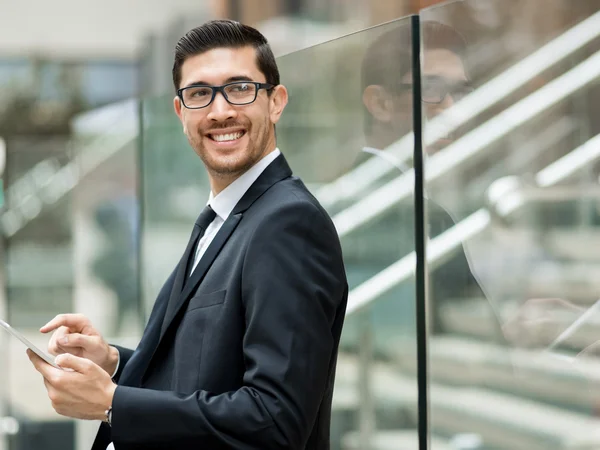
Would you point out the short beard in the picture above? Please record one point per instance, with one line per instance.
(229, 172)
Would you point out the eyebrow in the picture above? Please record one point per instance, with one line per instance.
(228, 80)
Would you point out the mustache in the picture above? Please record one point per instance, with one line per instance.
(225, 125)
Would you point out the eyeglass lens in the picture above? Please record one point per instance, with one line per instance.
(235, 93)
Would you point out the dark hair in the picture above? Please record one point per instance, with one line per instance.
(229, 34)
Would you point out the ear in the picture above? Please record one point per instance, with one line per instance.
(178, 107)
(277, 102)
(378, 103)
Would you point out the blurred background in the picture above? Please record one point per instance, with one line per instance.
(97, 179)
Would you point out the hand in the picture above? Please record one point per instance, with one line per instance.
(75, 335)
(86, 392)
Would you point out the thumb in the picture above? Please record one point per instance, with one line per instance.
(75, 363)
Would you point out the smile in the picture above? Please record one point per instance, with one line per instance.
(228, 137)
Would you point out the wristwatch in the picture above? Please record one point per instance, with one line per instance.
(108, 413)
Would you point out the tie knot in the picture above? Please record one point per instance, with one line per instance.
(206, 217)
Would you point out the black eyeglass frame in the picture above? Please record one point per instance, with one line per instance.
(221, 89)
(468, 89)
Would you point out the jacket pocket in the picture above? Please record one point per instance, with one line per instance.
(205, 300)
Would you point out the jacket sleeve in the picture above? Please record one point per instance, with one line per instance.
(293, 289)
(124, 357)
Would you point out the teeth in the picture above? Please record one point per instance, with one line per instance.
(227, 137)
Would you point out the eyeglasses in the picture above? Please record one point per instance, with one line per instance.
(435, 89)
(236, 93)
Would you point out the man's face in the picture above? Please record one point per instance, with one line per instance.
(229, 138)
(444, 76)
(444, 82)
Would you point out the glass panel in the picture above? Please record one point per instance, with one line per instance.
(38, 278)
(105, 224)
(342, 133)
(60, 192)
(4, 355)
(106, 220)
(510, 95)
(173, 178)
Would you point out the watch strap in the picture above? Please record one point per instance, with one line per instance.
(108, 414)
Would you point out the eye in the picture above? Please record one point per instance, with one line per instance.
(199, 92)
(242, 87)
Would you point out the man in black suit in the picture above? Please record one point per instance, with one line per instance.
(386, 77)
(240, 348)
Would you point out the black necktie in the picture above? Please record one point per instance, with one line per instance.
(204, 220)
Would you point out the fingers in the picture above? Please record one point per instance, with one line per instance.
(76, 340)
(40, 365)
(68, 361)
(54, 347)
(74, 322)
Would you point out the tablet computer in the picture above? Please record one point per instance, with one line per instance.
(45, 356)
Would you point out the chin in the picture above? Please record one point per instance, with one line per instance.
(228, 164)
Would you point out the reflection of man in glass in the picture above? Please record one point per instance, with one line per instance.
(387, 97)
(387, 80)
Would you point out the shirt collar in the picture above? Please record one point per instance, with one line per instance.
(226, 200)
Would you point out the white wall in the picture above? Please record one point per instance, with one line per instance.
(84, 28)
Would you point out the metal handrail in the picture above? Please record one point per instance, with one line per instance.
(445, 244)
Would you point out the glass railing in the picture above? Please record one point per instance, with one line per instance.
(70, 245)
(38, 280)
(106, 229)
(517, 186)
(347, 132)
(509, 101)
(338, 119)
(330, 127)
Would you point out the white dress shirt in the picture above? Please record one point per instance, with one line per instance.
(223, 205)
(226, 200)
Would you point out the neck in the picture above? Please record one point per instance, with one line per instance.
(378, 141)
(220, 181)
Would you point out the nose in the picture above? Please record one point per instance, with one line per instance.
(221, 110)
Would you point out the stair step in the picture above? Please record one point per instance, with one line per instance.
(393, 440)
(501, 420)
(543, 376)
(475, 319)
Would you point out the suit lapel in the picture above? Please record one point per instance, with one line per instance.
(180, 276)
(178, 297)
(275, 172)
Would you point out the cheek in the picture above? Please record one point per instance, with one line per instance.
(192, 123)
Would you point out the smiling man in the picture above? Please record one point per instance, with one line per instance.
(240, 348)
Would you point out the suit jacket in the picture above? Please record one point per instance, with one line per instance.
(247, 358)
